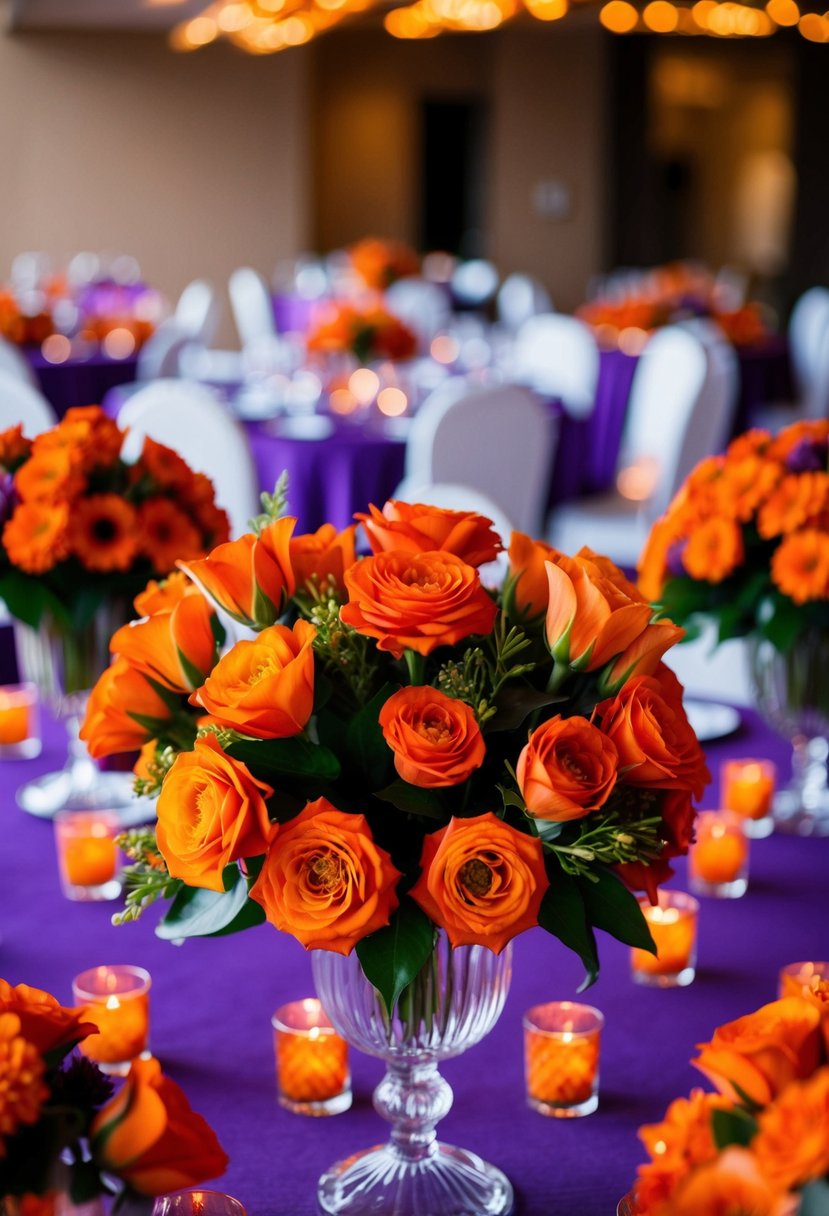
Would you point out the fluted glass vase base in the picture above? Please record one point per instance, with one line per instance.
(47, 795)
(447, 1180)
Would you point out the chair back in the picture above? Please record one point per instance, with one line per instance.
(520, 297)
(198, 312)
(21, 402)
(160, 356)
(807, 326)
(15, 364)
(421, 305)
(816, 403)
(712, 419)
(558, 357)
(498, 441)
(251, 305)
(189, 418)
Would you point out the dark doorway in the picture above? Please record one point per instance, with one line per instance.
(452, 176)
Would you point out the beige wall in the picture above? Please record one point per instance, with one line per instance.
(195, 164)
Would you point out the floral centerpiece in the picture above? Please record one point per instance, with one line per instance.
(379, 263)
(403, 769)
(365, 331)
(745, 544)
(83, 530)
(64, 1134)
(20, 326)
(760, 1143)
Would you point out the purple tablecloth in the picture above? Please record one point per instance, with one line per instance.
(212, 1001)
(79, 381)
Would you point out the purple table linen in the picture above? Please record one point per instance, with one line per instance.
(79, 381)
(212, 1001)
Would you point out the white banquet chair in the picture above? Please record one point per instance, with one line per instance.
(14, 364)
(251, 305)
(198, 312)
(189, 418)
(497, 441)
(421, 305)
(808, 325)
(520, 297)
(22, 402)
(557, 355)
(162, 355)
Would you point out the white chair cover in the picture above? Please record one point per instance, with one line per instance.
(558, 357)
(808, 324)
(161, 355)
(474, 283)
(520, 297)
(198, 312)
(21, 402)
(250, 303)
(14, 364)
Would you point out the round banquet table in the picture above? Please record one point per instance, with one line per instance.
(212, 1002)
(80, 380)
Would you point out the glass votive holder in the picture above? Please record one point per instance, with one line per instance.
(747, 787)
(19, 722)
(117, 1000)
(561, 1058)
(718, 858)
(673, 926)
(87, 854)
(797, 979)
(198, 1203)
(312, 1074)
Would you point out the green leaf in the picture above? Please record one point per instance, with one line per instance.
(84, 1182)
(814, 1199)
(251, 914)
(414, 800)
(563, 914)
(197, 912)
(27, 599)
(367, 750)
(512, 798)
(612, 907)
(516, 702)
(784, 623)
(392, 957)
(271, 759)
(733, 1126)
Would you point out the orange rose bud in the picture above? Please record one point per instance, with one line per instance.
(436, 740)
(792, 1144)
(590, 619)
(684, 1139)
(44, 1023)
(176, 649)
(149, 1136)
(211, 812)
(250, 578)
(265, 687)
(124, 711)
(642, 657)
(323, 556)
(482, 881)
(529, 586)
(410, 601)
(163, 595)
(760, 1054)
(325, 881)
(418, 528)
(567, 769)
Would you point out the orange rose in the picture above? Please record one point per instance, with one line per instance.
(416, 601)
(211, 811)
(761, 1053)
(436, 740)
(250, 578)
(323, 556)
(792, 1144)
(123, 712)
(325, 881)
(43, 1022)
(529, 587)
(643, 657)
(730, 1184)
(683, 1140)
(653, 737)
(265, 687)
(176, 649)
(567, 769)
(482, 881)
(149, 1136)
(418, 528)
(590, 618)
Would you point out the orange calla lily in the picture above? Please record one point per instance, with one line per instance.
(177, 649)
(250, 578)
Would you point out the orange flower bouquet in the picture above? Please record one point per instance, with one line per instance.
(63, 1131)
(366, 331)
(379, 263)
(760, 1144)
(404, 769)
(745, 544)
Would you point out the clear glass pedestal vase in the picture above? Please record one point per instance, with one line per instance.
(792, 695)
(64, 664)
(451, 1005)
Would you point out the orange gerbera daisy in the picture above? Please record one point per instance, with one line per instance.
(167, 534)
(798, 498)
(750, 443)
(36, 536)
(812, 431)
(714, 549)
(14, 447)
(164, 466)
(104, 532)
(745, 484)
(104, 437)
(49, 476)
(23, 1091)
(800, 566)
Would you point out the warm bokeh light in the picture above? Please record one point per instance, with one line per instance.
(56, 348)
(783, 12)
(632, 340)
(660, 16)
(363, 385)
(814, 27)
(341, 401)
(619, 17)
(234, 17)
(637, 481)
(119, 343)
(392, 402)
(444, 349)
(547, 10)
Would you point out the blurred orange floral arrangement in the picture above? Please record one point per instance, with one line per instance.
(81, 525)
(63, 1132)
(760, 1144)
(393, 748)
(380, 263)
(746, 539)
(20, 327)
(367, 332)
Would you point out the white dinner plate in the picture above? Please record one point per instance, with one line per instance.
(711, 720)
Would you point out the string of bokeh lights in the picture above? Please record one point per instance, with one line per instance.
(262, 27)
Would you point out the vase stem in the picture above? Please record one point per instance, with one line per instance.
(413, 1098)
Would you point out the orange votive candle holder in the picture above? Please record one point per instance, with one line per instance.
(311, 1060)
(718, 858)
(804, 979)
(198, 1203)
(747, 787)
(19, 729)
(87, 854)
(561, 1058)
(117, 999)
(673, 925)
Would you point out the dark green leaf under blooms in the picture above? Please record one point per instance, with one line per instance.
(612, 907)
(392, 957)
(414, 800)
(733, 1127)
(814, 1199)
(368, 751)
(563, 914)
(198, 912)
(271, 759)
